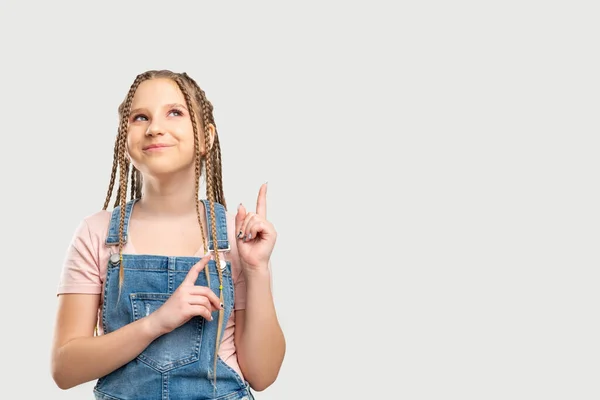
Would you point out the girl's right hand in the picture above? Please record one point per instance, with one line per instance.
(188, 300)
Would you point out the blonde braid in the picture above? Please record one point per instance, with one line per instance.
(217, 174)
(133, 170)
(138, 187)
(197, 166)
(210, 191)
(212, 162)
(215, 152)
(113, 173)
(124, 168)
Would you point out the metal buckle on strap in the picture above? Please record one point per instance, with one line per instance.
(222, 259)
(115, 258)
(225, 250)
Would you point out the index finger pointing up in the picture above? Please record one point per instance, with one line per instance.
(192, 275)
(261, 202)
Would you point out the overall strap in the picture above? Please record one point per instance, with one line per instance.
(113, 230)
(221, 224)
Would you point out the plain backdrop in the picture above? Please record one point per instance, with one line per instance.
(432, 168)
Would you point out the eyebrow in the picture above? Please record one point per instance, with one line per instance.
(172, 105)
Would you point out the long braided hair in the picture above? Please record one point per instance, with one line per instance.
(195, 99)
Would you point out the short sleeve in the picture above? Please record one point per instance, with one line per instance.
(81, 272)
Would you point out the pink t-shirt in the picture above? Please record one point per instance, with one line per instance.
(84, 271)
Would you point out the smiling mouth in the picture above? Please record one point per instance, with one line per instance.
(156, 147)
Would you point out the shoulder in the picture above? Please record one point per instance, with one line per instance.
(99, 217)
(97, 223)
(92, 231)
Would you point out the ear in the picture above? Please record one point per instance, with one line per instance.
(211, 132)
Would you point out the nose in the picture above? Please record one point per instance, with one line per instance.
(154, 129)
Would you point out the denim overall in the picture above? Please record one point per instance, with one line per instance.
(179, 364)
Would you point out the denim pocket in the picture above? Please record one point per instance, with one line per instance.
(171, 350)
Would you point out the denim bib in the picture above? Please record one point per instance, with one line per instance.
(179, 364)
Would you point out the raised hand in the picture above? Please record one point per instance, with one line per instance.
(188, 300)
(256, 236)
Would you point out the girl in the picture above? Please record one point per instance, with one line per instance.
(168, 296)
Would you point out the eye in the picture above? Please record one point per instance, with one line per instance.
(177, 112)
(136, 117)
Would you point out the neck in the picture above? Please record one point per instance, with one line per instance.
(169, 197)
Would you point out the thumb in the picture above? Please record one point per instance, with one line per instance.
(239, 219)
(192, 275)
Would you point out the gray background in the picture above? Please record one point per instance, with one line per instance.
(432, 168)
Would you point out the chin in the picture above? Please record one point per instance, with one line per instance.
(166, 169)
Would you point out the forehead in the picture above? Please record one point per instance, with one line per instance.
(157, 92)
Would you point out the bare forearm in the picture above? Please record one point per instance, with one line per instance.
(262, 344)
(84, 359)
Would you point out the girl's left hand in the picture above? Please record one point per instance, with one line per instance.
(255, 235)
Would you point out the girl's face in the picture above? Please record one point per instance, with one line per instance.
(160, 139)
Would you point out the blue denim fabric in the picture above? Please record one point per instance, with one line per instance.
(179, 364)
